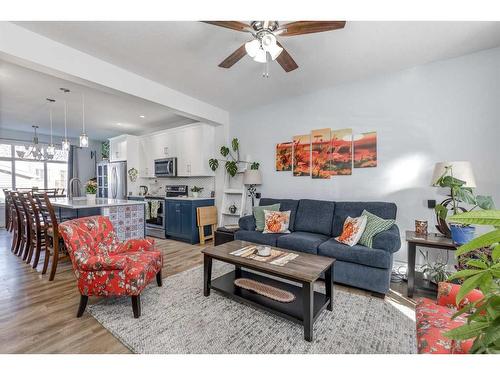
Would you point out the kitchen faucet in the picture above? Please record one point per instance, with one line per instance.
(70, 187)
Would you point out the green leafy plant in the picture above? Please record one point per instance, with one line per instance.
(232, 159)
(197, 189)
(436, 271)
(91, 187)
(105, 150)
(483, 316)
(460, 195)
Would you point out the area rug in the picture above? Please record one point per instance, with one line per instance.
(177, 318)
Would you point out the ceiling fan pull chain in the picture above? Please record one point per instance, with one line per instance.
(266, 68)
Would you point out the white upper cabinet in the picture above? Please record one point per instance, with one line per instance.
(192, 145)
(118, 148)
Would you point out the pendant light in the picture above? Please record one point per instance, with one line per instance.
(51, 150)
(65, 142)
(84, 139)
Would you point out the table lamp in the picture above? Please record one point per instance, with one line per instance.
(252, 178)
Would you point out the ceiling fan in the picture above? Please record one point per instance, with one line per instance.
(264, 40)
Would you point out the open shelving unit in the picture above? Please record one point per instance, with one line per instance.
(234, 192)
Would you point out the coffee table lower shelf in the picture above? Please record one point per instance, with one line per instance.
(293, 311)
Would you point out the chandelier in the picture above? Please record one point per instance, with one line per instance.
(34, 150)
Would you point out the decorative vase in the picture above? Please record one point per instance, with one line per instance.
(233, 209)
(461, 235)
(91, 197)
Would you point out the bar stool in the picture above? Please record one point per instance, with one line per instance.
(54, 244)
(23, 234)
(36, 226)
(8, 208)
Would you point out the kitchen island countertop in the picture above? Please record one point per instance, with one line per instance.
(83, 202)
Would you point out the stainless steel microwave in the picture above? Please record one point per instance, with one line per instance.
(166, 167)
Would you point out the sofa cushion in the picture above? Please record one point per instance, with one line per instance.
(259, 215)
(285, 205)
(257, 237)
(385, 210)
(356, 254)
(315, 216)
(302, 241)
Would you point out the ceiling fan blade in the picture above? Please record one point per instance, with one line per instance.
(234, 57)
(309, 27)
(233, 25)
(285, 60)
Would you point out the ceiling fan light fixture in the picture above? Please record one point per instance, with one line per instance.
(275, 51)
(252, 47)
(260, 56)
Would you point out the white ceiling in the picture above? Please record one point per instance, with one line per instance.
(185, 55)
(23, 94)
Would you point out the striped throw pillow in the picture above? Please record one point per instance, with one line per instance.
(374, 225)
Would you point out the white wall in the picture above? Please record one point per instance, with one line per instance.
(447, 110)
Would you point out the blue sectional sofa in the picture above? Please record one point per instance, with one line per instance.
(313, 226)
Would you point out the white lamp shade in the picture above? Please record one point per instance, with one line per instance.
(252, 47)
(260, 56)
(275, 51)
(461, 170)
(252, 177)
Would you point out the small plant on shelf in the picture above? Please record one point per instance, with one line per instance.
(196, 190)
(91, 189)
(232, 159)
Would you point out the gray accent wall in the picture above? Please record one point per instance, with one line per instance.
(446, 110)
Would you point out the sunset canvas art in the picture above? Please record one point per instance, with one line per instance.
(341, 152)
(284, 156)
(321, 146)
(302, 155)
(365, 150)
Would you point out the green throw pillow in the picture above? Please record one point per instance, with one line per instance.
(258, 214)
(374, 225)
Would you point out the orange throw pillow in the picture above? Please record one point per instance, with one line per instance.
(276, 221)
(352, 231)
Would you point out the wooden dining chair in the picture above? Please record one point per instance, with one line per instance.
(23, 229)
(16, 224)
(206, 216)
(37, 227)
(8, 208)
(54, 244)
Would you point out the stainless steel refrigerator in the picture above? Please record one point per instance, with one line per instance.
(112, 180)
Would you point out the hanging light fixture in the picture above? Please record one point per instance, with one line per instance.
(65, 142)
(51, 150)
(33, 151)
(269, 44)
(84, 139)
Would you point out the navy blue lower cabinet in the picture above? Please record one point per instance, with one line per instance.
(180, 221)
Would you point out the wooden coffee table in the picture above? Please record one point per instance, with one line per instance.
(304, 270)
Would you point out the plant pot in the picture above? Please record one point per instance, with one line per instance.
(461, 235)
(91, 197)
(196, 194)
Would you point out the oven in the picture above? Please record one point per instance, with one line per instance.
(155, 216)
(166, 167)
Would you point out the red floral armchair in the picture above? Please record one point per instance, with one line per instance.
(104, 266)
(434, 318)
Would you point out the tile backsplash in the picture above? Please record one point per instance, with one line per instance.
(157, 185)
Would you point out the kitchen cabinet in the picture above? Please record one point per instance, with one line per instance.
(118, 148)
(192, 145)
(180, 221)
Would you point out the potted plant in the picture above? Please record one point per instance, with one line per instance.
(91, 189)
(435, 272)
(459, 194)
(196, 190)
(483, 316)
(232, 162)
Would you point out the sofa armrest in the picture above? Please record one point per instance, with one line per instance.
(102, 263)
(247, 222)
(388, 240)
(136, 244)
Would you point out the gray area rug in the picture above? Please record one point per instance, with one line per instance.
(177, 318)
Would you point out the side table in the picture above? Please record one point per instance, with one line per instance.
(223, 235)
(431, 240)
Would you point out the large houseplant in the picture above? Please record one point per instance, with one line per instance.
(232, 159)
(459, 195)
(483, 316)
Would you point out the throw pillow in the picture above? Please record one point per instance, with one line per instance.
(258, 214)
(276, 221)
(353, 230)
(374, 225)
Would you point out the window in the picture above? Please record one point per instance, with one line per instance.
(20, 173)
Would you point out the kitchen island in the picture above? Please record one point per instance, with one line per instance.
(127, 216)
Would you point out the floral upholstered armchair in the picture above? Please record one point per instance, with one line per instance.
(434, 318)
(104, 266)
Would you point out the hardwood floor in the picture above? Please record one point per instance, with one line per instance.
(38, 316)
